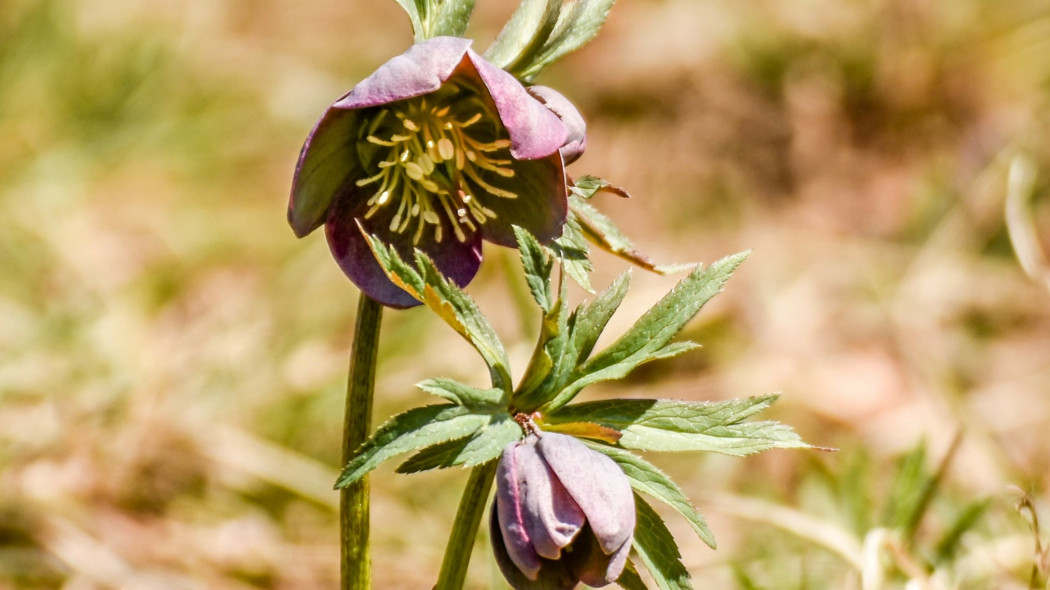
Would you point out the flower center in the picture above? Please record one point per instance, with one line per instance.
(431, 157)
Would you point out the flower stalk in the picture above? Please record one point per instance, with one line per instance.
(356, 560)
(465, 529)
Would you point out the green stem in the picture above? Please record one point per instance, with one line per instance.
(356, 568)
(465, 530)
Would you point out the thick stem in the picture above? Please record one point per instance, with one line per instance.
(356, 568)
(465, 529)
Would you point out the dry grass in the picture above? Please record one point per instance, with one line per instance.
(171, 358)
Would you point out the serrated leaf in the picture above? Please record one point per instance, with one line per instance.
(647, 478)
(537, 265)
(576, 26)
(592, 319)
(450, 303)
(524, 34)
(629, 579)
(410, 431)
(671, 425)
(657, 549)
(572, 253)
(587, 186)
(646, 339)
(414, 16)
(450, 18)
(588, 430)
(462, 394)
(483, 446)
(602, 231)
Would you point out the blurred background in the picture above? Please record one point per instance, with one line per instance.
(172, 359)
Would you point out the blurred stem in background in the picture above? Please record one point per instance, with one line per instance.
(356, 568)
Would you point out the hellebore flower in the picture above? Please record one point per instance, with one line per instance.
(434, 151)
(563, 514)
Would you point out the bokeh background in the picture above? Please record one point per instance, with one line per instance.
(172, 358)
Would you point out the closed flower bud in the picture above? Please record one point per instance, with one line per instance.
(563, 514)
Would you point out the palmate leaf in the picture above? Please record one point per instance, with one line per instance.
(646, 478)
(592, 319)
(524, 34)
(537, 265)
(463, 394)
(657, 549)
(648, 339)
(449, 18)
(451, 304)
(572, 253)
(577, 24)
(483, 446)
(629, 579)
(410, 431)
(671, 425)
(601, 231)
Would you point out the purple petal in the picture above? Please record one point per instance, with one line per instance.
(541, 205)
(326, 163)
(553, 575)
(576, 140)
(510, 509)
(535, 132)
(597, 484)
(458, 261)
(552, 518)
(420, 70)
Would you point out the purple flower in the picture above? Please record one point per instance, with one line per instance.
(436, 150)
(563, 514)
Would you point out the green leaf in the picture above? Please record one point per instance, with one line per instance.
(629, 579)
(537, 267)
(647, 478)
(657, 549)
(483, 446)
(587, 186)
(602, 231)
(592, 319)
(463, 395)
(412, 9)
(524, 34)
(647, 339)
(671, 425)
(571, 251)
(450, 18)
(426, 284)
(575, 28)
(412, 430)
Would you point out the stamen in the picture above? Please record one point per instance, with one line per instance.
(446, 149)
(377, 141)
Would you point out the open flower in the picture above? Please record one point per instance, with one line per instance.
(563, 514)
(434, 151)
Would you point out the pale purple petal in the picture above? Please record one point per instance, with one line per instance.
(576, 140)
(510, 509)
(597, 484)
(552, 517)
(420, 70)
(535, 132)
(553, 575)
(458, 261)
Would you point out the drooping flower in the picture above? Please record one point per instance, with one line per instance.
(563, 514)
(435, 151)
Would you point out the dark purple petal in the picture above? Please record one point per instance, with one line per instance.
(552, 575)
(535, 132)
(592, 566)
(597, 484)
(540, 207)
(458, 261)
(420, 70)
(576, 127)
(326, 163)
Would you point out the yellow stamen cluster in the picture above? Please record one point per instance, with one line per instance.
(433, 165)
